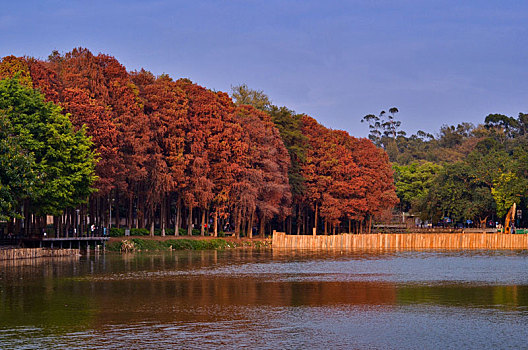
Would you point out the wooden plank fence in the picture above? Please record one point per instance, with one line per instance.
(401, 241)
(32, 253)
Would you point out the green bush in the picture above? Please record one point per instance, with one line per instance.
(175, 244)
(113, 246)
(183, 244)
(116, 232)
(139, 232)
(146, 244)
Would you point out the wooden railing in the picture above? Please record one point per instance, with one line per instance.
(402, 241)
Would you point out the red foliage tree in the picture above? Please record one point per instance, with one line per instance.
(346, 178)
(375, 167)
(265, 178)
(165, 106)
(164, 143)
(207, 150)
(96, 117)
(109, 90)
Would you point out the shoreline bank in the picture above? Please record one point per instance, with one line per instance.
(35, 253)
(160, 243)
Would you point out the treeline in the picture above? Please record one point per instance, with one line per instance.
(465, 172)
(86, 141)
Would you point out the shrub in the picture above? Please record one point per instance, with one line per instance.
(139, 232)
(145, 244)
(116, 232)
(113, 246)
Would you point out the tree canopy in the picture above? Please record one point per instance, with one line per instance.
(87, 141)
(58, 161)
(465, 172)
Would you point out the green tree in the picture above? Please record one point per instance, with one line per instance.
(384, 128)
(455, 193)
(243, 95)
(289, 125)
(505, 126)
(64, 161)
(16, 171)
(508, 188)
(413, 182)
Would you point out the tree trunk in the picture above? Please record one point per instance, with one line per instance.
(325, 227)
(316, 217)
(370, 224)
(141, 212)
(130, 207)
(89, 211)
(83, 219)
(163, 215)
(242, 225)
(152, 226)
(189, 221)
(55, 225)
(178, 218)
(299, 222)
(262, 226)
(216, 223)
(117, 217)
(167, 211)
(109, 212)
(137, 212)
(67, 223)
(202, 224)
(237, 223)
(250, 225)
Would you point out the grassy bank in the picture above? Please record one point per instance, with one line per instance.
(146, 244)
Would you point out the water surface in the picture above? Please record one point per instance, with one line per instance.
(267, 299)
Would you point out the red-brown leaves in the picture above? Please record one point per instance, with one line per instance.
(348, 177)
(97, 119)
(165, 106)
(158, 139)
(266, 174)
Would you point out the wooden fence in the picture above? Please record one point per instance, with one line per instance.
(402, 241)
(32, 253)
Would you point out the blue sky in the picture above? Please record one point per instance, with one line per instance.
(439, 62)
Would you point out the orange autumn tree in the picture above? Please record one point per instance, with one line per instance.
(165, 106)
(83, 111)
(346, 178)
(211, 143)
(99, 89)
(266, 173)
(12, 65)
(374, 166)
(169, 149)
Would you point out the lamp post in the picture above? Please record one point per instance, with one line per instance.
(78, 219)
(110, 221)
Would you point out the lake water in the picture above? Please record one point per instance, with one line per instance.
(263, 299)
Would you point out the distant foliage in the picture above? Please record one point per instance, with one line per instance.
(464, 173)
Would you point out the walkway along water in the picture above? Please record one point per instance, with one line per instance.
(402, 241)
